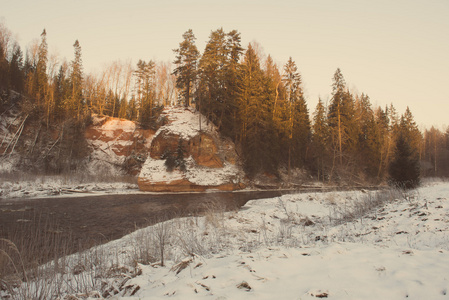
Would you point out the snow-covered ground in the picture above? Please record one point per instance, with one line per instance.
(336, 245)
(301, 247)
(45, 186)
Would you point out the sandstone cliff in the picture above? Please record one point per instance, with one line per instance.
(187, 154)
(117, 146)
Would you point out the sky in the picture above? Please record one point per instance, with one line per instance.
(393, 51)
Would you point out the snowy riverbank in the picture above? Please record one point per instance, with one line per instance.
(336, 245)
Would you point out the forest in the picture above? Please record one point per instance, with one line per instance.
(254, 102)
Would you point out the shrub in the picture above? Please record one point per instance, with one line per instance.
(404, 169)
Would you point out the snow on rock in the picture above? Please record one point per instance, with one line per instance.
(117, 146)
(155, 170)
(209, 161)
(184, 122)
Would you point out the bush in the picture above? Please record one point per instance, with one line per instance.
(172, 161)
(404, 170)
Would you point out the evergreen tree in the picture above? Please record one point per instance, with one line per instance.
(16, 75)
(341, 120)
(146, 92)
(131, 112)
(41, 80)
(186, 61)
(320, 140)
(62, 92)
(270, 90)
(5, 35)
(217, 87)
(211, 93)
(229, 113)
(410, 131)
(76, 80)
(298, 122)
(368, 144)
(279, 106)
(384, 134)
(404, 169)
(256, 130)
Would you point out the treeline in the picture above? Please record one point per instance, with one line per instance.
(259, 105)
(263, 109)
(57, 90)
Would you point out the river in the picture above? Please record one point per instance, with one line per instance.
(82, 222)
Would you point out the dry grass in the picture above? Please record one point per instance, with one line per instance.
(66, 178)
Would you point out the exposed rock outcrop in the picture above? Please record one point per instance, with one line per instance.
(118, 146)
(202, 147)
(187, 154)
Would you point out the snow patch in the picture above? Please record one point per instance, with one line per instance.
(185, 122)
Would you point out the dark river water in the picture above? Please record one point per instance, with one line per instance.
(82, 222)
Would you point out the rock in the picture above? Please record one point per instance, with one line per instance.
(206, 161)
(165, 142)
(205, 151)
(244, 286)
(118, 143)
(201, 147)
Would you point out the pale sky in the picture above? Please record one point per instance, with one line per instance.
(394, 51)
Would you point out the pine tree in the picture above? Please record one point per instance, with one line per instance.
(186, 70)
(368, 144)
(229, 113)
(320, 139)
(255, 126)
(41, 80)
(410, 131)
(393, 131)
(217, 76)
(5, 35)
(298, 122)
(279, 106)
(211, 93)
(146, 92)
(16, 75)
(271, 139)
(341, 120)
(384, 134)
(62, 92)
(404, 169)
(76, 79)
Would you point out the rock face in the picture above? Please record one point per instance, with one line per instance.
(183, 158)
(202, 147)
(204, 151)
(117, 146)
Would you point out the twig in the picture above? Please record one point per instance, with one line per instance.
(7, 130)
(23, 125)
(46, 154)
(35, 139)
(14, 137)
(7, 110)
(73, 191)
